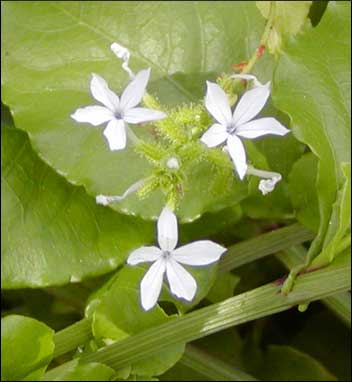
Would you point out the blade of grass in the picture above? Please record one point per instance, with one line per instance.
(245, 307)
(264, 245)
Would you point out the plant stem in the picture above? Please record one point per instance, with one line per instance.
(245, 307)
(72, 336)
(263, 245)
(340, 303)
(263, 40)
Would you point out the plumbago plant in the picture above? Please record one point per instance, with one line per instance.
(154, 154)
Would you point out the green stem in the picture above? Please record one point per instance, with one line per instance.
(340, 303)
(72, 337)
(245, 307)
(263, 41)
(263, 245)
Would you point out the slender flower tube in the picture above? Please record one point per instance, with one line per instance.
(167, 259)
(270, 178)
(106, 199)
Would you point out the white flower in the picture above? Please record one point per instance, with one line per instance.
(231, 126)
(117, 111)
(168, 259)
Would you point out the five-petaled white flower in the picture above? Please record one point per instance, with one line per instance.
(231, 126)
(117, 111)
(167, 259)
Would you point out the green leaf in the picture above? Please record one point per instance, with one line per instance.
(117, 313)
(51, 49)
(303, 192)
(27, 346)
(53, 233)
(284, 363)
(289, 17)
(75, 371)
(312, 85)
(223, 287)
(340, 221)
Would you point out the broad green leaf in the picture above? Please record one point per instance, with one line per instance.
(51, 49)
(76, 371)
(303, 192)
(289, 17)
(27, 348)
(53, 233)
(117, 313)
(312, 85)
(284, 363)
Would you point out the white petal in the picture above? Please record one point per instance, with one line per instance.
(182, 284)
(151, 284)
(200, 252)
(115, 133)
(134, 91)
(101, 92)
(250, 104)
(238, 155)
(167, 230)
(94, 115)
(144, 254)
(142, 114)
(215, 135)
(261, 126)
(217, 103)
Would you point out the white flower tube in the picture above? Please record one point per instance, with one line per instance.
(269, 181)
(124, 54)
(106, 200)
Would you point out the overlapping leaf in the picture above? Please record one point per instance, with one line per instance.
(51, 49)
(52, 232)
(312, 85)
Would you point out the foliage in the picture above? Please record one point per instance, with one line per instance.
(64, 256)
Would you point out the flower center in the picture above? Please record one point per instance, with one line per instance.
(231, 128)
(166, 255)
(117, 115)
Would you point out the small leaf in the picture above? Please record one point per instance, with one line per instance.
(223, 287)
(117, 313)
(27, 346)
(75, 371)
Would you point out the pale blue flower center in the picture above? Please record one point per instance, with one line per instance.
(166, 255)
(118, 115)
(231, 127)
